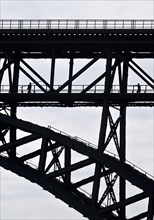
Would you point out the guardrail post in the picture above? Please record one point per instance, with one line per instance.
(20, 24)
(132, 24)
(104, 24)
(76, 24)
(10, 24)
(48, 25)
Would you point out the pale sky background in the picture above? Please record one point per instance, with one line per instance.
(22, 200)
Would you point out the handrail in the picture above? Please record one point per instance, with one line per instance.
(78, 89)
(76, 24)
(106, 151)
(88, 144)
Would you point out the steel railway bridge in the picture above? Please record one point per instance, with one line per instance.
(119, 44)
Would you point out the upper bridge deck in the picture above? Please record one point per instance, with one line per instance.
(125, 39)
(83, 38)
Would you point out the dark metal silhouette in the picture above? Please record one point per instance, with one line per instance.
(138, 88)
(29, 88)
(119, 43)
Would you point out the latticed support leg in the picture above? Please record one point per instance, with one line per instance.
(103, 128)
(70, 75)
(14, 89)
(52, 76)
(123, 80)
(122, 151)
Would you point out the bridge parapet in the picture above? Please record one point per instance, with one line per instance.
(78, 89)
(77, 24)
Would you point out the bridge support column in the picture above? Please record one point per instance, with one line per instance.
(122, 150)
(122, 184)
(52, 70)
(13, 109)
(103, 127)
(70, 75)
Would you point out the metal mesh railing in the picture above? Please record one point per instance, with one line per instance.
(88, 144)
(76, 24)
(78, 89)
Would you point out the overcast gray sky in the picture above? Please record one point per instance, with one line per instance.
(76, 9)
(22, 200)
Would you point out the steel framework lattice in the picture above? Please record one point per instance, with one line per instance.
(118, 44)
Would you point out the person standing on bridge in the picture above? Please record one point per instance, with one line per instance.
(138, 88)
(29, 88)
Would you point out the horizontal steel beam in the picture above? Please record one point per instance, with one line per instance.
(76, 99)
(80, 42)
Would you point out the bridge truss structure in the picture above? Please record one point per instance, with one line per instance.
(101, 193)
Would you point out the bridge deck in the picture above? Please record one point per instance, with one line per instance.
(85, 38)
(95, 96)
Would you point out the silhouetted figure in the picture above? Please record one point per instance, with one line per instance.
(21, 89)
(29, 88)
(138, 88)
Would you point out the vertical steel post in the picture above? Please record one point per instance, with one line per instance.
(43, 155)
(52, 70)
(70, 75)
(122, 182)
(103, 129)
(67, 164)
(14, 89)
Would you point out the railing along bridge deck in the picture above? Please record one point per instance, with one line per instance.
(77, 24)
(78, 89)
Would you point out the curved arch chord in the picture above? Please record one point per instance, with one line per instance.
(65, 190)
